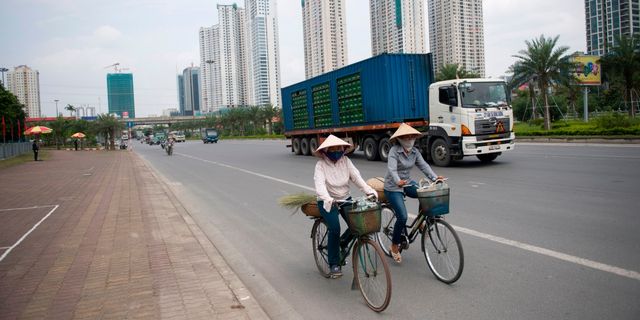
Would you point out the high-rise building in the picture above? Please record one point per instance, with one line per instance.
(263, 52)
(120, 94)
(324, 28)
(24, 83)
(397, 26)
(180, 84)
(233, 61)
(191, 88)
(211, 82)
(456, 34)
(606, 19)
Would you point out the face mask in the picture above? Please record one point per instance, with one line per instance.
(407, 143)
(334, 155)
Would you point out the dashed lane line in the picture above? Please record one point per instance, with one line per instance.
(520, 245)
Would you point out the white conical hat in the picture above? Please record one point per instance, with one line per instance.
(332, 141)
(404, 130)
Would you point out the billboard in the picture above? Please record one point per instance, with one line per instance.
(588, 71)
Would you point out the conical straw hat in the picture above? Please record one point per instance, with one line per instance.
(332, 141)
(404, 130)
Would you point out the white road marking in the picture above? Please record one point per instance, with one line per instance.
(28, 232)
(2, 248)
(520, 245)
(28, 208)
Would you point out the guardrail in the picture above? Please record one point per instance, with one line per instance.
(10, 150)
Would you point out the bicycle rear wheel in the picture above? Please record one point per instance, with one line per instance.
(384, 237)
(319, 240)
(372, 275)
(443, 250)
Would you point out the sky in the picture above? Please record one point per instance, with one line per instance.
(70, 42)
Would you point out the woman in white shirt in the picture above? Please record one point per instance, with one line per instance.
(331, 177)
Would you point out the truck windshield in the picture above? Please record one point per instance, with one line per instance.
(483, 94)
(212, 133)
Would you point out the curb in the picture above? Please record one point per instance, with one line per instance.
(579, 140)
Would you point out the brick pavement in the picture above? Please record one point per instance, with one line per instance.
(120, 245)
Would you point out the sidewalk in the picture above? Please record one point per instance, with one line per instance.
(103, 238)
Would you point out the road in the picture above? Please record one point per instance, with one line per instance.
(550, 231)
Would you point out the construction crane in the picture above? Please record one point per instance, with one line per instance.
(115, 67)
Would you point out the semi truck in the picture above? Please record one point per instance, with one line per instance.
(366, 101)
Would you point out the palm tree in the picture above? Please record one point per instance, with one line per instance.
(268, 112)
(71, 109)
(624, 60)
(546, 63)
(108, 126)
(454, 71)
(519, 79)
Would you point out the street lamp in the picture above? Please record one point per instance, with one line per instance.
(56, 100)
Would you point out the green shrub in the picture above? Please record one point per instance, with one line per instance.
(613, 120)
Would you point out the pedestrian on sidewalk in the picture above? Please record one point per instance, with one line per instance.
(35, 148)
(75, 143)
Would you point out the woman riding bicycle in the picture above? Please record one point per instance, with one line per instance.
(397, 184)
(331, 177)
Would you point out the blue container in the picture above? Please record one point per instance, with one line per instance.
(387, 88)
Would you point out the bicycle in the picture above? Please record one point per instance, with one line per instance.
(371, 272)
(441, 245)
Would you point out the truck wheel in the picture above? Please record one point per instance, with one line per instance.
(487, 157)
(440, 153)
(370, 147)
(313, 144)
(383, 149)
(304, 146)
(296, 146)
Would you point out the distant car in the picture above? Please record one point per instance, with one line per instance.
(178, 136)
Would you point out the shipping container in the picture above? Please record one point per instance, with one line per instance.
(389, 88)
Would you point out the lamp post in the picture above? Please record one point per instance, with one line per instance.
(56, 100)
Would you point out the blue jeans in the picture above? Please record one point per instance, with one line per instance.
(334, 240)
(396, 199)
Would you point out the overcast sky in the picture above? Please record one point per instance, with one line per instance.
(71, 41)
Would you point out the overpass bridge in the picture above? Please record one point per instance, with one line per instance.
(158, 120)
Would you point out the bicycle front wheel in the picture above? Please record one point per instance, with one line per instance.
(384, 237)
(372, 275)
(319, 241)
(443, 250)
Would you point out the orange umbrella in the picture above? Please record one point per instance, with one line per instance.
(78, 135)
(37, 130)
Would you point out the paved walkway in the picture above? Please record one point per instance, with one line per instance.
(92, 235)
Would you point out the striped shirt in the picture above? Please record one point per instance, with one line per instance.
(332, 180)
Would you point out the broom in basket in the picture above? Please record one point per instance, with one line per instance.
(306, 202)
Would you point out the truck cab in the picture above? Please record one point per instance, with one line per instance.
(469, 117)
(209, 135)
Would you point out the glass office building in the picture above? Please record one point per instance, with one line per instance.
(606, 19)
(120, 94)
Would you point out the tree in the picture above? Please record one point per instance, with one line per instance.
(546, 63)
(454, 71)
(71, 109)
(622, 63)
(108, 126)
(11, 109)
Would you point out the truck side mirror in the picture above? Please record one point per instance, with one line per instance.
(453, 98)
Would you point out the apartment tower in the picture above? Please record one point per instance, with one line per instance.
(24, 83)
(397, 26)
(606, 19)
(324, 29)
(456, 34)
(263, 51)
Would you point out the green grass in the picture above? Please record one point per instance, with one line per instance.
(576, 128)
(27, 157)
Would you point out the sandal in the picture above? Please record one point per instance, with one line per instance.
(396, 256)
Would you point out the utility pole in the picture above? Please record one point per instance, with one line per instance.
(56, 100)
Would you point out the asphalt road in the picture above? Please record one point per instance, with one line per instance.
(549, 232)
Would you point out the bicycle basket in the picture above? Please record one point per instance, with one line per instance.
(311, 209)
(434, 201)
(363, 219)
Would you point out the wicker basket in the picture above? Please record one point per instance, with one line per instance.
(434, 202)
(377, 184)
(363, 222)
(311, 209)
